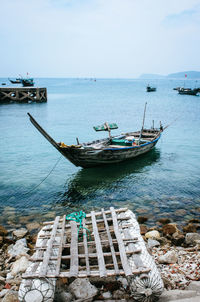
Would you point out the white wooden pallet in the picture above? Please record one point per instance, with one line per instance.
(62, 253)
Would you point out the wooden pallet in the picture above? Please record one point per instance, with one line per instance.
(64, 253)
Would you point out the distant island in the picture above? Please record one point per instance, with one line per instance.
(177, 75)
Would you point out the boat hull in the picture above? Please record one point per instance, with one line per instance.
(92, 158)
(188, 91)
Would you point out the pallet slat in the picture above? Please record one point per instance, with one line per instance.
(111, 243)
(90, 255)
(44, 266)
(83, 274)
(74, 250)
(122, 251)
(128, 240)
(89, 215)
(101, 262)
(61, 246)
(86, 248)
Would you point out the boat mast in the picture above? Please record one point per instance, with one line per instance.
(143, 122)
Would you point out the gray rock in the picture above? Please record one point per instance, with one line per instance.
(2, 279)
(152, 235)
(193, 299)
(19, 248)
(194, 285)
(3, 292)
(169, 257)
(191, 238)
(83, 289)
(118, 294)
(19, 266)
(33, 226)
(152, 243)
(11, 296)
(106, 295)
(63, 296)
(123, 281)
(9, 276)
(20, 233)
(174, 295)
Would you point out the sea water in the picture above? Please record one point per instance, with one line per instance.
(37, 182)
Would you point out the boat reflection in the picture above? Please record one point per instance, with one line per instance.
(88, 182)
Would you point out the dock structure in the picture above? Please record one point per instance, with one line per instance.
(107, 244)
(22, 95)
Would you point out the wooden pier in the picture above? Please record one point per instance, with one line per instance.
(22, 95)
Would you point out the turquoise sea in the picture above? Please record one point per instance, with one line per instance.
(162, 183)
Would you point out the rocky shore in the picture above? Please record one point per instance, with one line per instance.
(176, 250)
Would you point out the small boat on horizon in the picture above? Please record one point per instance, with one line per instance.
(113, 149)
(188, 91)
(17, 81)
(27, 82)
(150, 89)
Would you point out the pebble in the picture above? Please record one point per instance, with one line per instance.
(191, 238)
(170, 229)
(152, 243)
(3, 292)
(11, 296)
(143, 229)
(19, 266)
(33, 226)
(142, 219)
(169, 258)
(2, 279)
(194, 285)
(3, 231)
(164, 220)
(19, 248)
(107, 295)
(152, 235)
(20, 233)
(178, 238)
(190, 228)
(82, 289)
(174, 295)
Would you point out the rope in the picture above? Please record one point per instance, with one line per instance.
(44, 178)
(78, 218)
(22, 194)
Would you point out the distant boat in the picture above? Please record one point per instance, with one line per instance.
(17, 81)
(113, 149)
(27, 82)
(188, 91)
(150, 89)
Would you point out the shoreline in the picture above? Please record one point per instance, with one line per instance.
(175, 249)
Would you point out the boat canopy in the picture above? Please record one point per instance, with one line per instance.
(106, 127)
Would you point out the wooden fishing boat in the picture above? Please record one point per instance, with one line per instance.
(27, 82)
(113, 149)
(188, 91)
(150, 89)
(17, 81)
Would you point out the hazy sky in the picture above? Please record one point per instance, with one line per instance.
(98, 38)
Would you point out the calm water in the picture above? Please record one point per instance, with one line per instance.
(164, 182)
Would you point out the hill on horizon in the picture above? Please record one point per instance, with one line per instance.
(177, 75)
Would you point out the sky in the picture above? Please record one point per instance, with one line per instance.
(98, 38)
